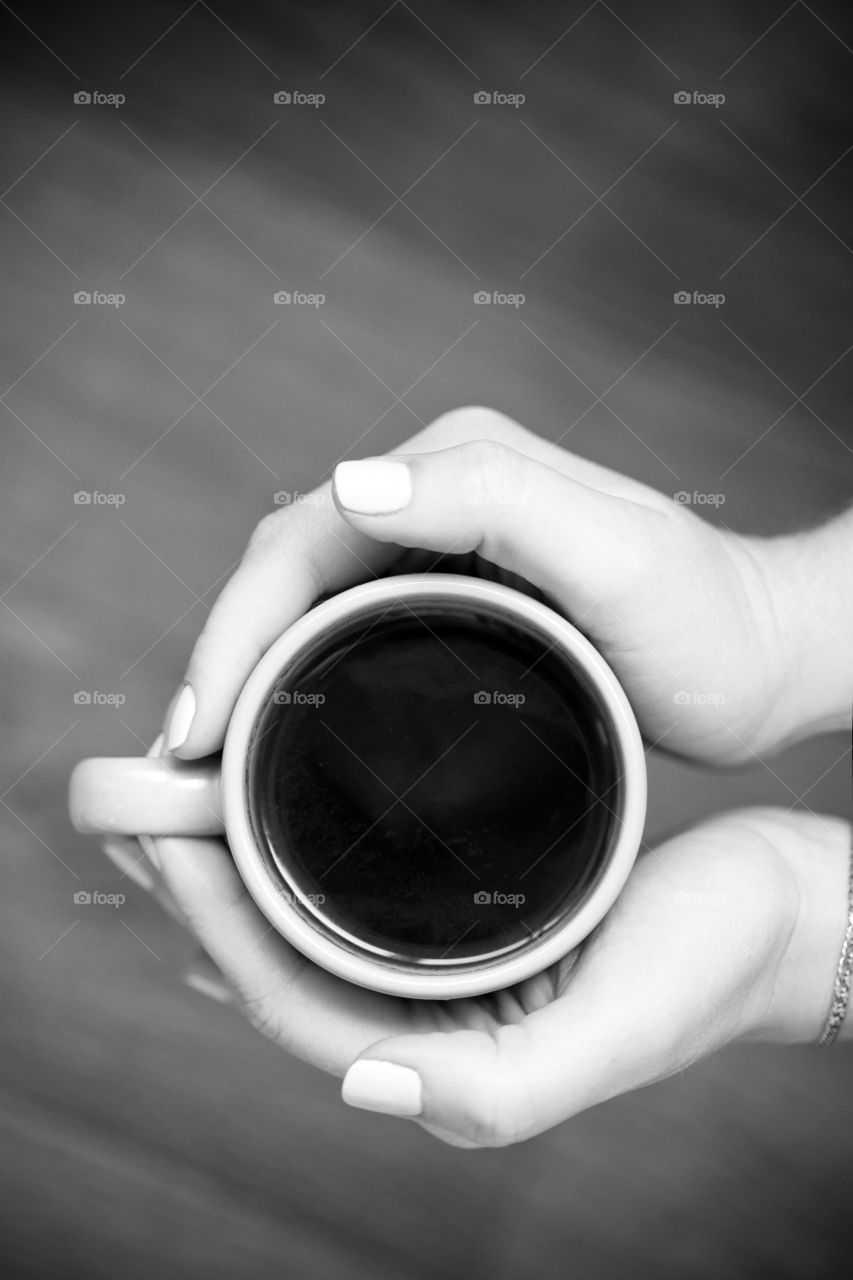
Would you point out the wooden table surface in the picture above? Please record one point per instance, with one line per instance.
(146, 1131)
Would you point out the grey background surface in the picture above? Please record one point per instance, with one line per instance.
(143, 1130)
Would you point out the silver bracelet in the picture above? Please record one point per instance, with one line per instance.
(843, 974)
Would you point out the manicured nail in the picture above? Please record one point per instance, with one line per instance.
(149, 847)
(383, 1086)
(182, 718)
(127, 855)
(373, 487)
(206, 986)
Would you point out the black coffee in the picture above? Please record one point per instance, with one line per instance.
(439, 783)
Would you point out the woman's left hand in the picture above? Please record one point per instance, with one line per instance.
(725, 933)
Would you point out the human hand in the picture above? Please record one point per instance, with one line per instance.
(726, 933)
(684, 612)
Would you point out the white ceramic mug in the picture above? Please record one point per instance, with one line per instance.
(212, 796)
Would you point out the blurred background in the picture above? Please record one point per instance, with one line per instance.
(144, 1129)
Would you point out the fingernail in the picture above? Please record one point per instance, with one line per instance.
(129, 858)
(373, 487)
(383, 1086)
(182, 718)
(149, 847)
(206, 986)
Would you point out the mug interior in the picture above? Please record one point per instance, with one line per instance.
(435, 785)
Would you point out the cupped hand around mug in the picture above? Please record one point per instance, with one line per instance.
(723, 934)
(688, 615)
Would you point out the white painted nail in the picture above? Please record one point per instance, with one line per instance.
(383, 1086)
(128, 857)
(373, 487)
(149, 847)
(182, 718)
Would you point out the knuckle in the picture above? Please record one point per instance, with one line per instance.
(495, 480)
(499, 1111)
(472, 422)
(496, 1115)
(223, 635)
(262, 1013)
(490, 468)
(266, 530)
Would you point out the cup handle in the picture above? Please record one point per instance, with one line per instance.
(146, 796)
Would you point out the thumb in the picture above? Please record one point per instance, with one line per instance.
(578, 544)
(490, 1088)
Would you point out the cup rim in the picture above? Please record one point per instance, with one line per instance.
(361, 968)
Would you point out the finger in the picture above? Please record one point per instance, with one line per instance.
(490, 1089)
(127, 853)
(648, 995)
(572, 541)
(299, 1006)
(207, 979)
(306, 550)
(469, 424)
(295, 556)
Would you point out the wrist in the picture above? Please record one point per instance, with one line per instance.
(806, 578)
(814, 853)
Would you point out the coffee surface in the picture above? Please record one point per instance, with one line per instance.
(439, 786)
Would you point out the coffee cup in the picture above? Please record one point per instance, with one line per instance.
(432, 785)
